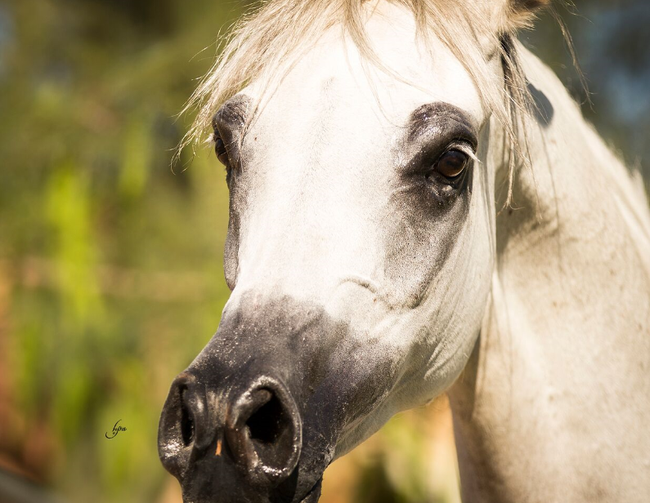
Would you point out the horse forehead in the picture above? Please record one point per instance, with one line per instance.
(335, 82)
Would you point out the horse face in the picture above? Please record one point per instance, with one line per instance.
(359, 255)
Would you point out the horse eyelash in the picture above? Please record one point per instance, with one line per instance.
(465, 149)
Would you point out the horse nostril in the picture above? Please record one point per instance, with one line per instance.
(267, 423)
(183, 413)
(186, 423)
(264, 432)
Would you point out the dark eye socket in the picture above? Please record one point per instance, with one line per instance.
(452, 164)
(220, 150)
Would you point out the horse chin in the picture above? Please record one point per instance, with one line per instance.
(314, 494)
(204, 491)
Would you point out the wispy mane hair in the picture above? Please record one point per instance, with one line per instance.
(266, 43)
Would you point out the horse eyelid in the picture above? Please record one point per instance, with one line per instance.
(466, 148)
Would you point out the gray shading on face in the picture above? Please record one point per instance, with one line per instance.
(256, 416)
(228, 124)
(426, 210)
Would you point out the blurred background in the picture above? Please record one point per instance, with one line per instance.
(110, 263)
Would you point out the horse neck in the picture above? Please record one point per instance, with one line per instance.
(550, 406)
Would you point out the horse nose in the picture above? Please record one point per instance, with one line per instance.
(258, 430)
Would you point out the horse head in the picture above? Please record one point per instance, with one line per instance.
(359, 253)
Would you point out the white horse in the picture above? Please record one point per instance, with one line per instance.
(403, 224)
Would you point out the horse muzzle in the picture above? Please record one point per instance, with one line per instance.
(256, 417)
(259, 428)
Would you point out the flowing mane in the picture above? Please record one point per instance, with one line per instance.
(264, 45)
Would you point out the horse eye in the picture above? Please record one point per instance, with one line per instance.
(220, 150)
(452, 163)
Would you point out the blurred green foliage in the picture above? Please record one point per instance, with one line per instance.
(112, 260)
